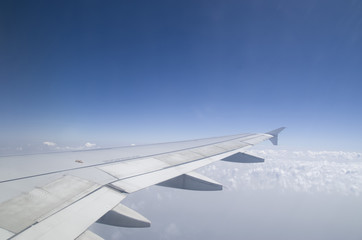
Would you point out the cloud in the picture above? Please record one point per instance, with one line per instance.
(50, 144)
(292, 195)
(90, 145)
(297, 171)
(57, 147)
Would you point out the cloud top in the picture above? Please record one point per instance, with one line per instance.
(298, 171)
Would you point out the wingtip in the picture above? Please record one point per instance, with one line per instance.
(275, 134)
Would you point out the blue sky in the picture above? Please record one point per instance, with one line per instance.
(150, 71)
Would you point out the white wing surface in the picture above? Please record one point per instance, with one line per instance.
(59, 195)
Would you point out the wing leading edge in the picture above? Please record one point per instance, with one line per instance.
(67, 206)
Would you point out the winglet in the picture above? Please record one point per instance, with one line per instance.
(275, 133)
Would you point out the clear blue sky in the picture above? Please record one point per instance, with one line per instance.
(145, 71)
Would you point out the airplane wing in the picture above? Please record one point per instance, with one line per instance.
(60, 195)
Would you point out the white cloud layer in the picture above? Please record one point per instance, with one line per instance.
(292, 195)
(299, 171)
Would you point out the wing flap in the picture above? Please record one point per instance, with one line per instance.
(72, 221)
(135, 183)
(5, 234)
(30, 208)
(133, 167)
(174, 164)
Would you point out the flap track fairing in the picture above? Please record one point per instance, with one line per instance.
(192, 181)
(122, 216)
(243, 158)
